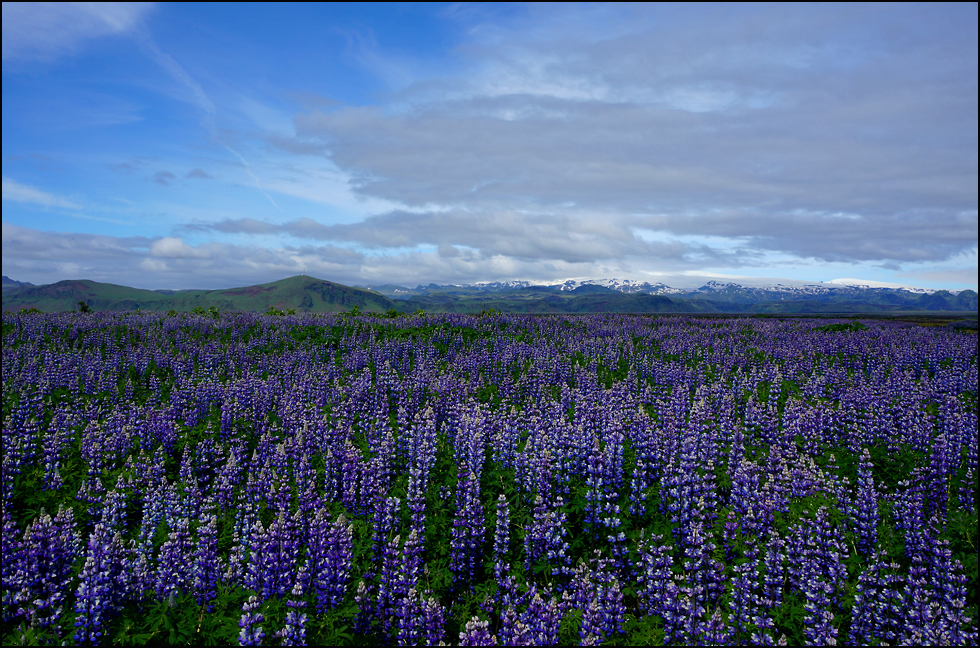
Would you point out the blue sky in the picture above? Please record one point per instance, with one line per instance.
(184, 145)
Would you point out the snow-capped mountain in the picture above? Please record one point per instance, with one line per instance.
(628, 286)
(828, 288)
(735, 295)
(499, 285)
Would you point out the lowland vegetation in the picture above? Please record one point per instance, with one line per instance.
(373, 478)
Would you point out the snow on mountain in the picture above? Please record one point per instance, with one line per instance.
(621, 285)
(864, 283)
(499, 285)
(748, 288)
(822, 288)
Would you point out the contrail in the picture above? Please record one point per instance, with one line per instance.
(175, 70)
(248, 170)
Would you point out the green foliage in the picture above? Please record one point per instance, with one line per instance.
(646, 631)
(280, 312)
(842, 328)
(83, 307)
(212, 311)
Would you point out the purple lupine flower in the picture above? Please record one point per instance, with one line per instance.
(330, 552)
(744, 603)
(818, 623)
(433, 621)
(545, 539)
(729, 535)
(967, 491)
(206, 563)
(306, 484)
(616, 538)
(942, 464)
(188, 487)
(54, 442)
(705, 575)
(294, 632)
(501, 540)
(350, 476)
(385, 524)
(102, 584)
(543, 619)
(388, 585)
(275, 552)
(763, 634)
(909, 513)
(410, 568)
(774, 579)
(598, 594)
(43, 565)
(878, 603)
(681, 615)
(152, 515)
(251, 632)
(715, 631)
(949, 588)
(935, 597)
(654, 575)
(143, 576)
(816, 551)
(417, 485)
(864, 514)
(686, 484)
(11, 547)
(513, 630)
(246, 517)
(365, 609)
(595, 482)
(91, 491)
(645, 469)
(476, 633)
(237, 561)
(173, 576)
(468, 530)
(408, 611)
(226, 481)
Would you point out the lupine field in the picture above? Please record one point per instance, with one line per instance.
(480, 480)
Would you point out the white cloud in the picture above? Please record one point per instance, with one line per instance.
(46, 30)
(782, 130)
(17, 192)
(174, 248)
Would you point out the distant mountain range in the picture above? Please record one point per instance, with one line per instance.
(620, 295)
(308, 294)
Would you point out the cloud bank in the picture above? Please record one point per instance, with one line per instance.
(789, 132)
(580, 141)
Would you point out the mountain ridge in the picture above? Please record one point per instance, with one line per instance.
(309, 294)
(301, 293)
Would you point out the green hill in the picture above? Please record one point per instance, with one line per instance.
(305, 294)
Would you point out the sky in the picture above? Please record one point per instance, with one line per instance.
(216, 145)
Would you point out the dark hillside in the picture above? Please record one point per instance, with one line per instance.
(304, 294)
